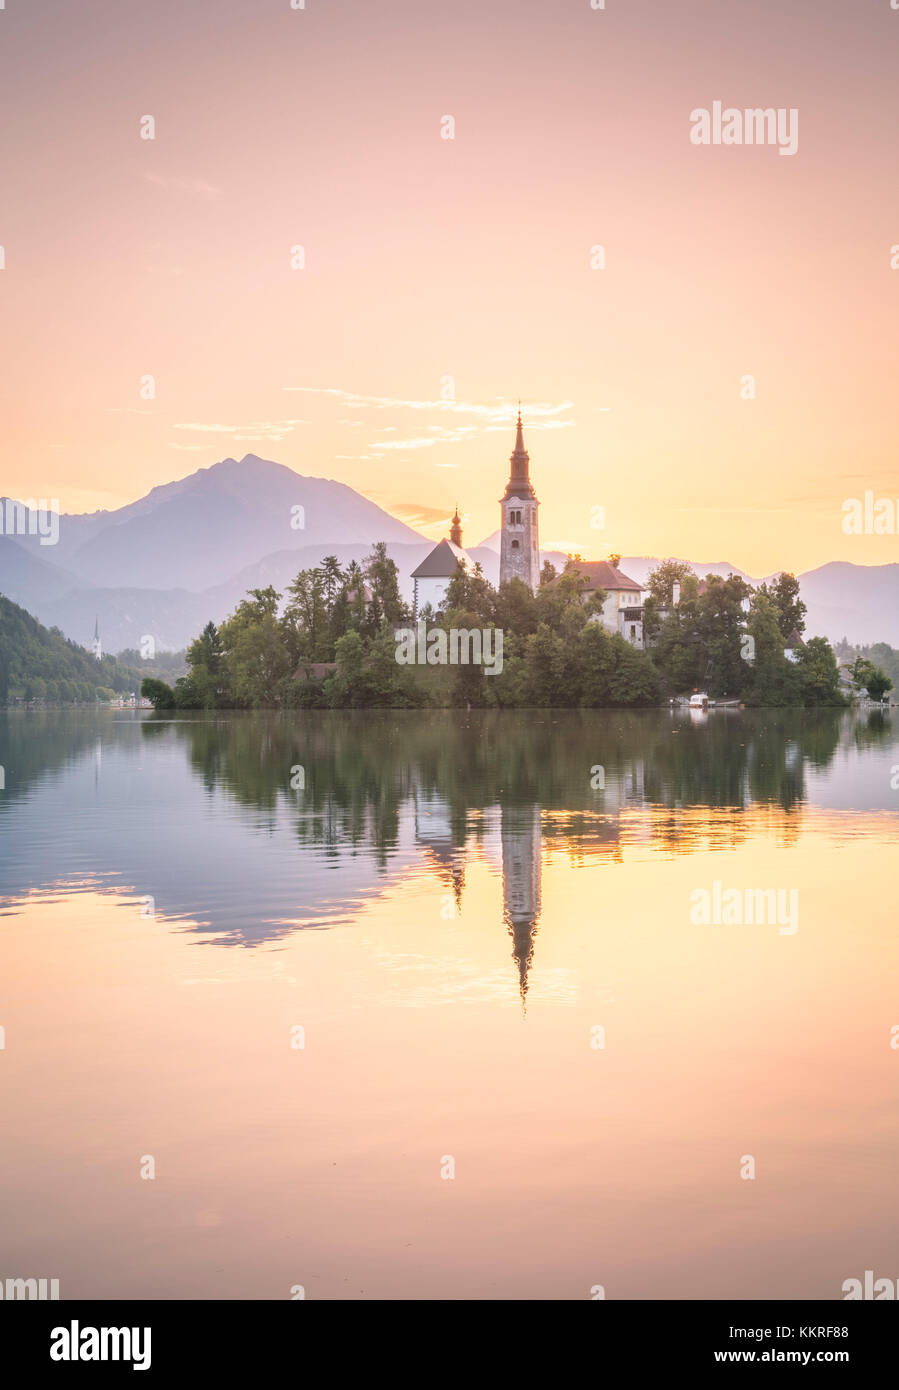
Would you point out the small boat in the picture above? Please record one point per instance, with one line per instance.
(699, 700)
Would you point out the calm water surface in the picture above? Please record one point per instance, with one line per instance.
(483, 929)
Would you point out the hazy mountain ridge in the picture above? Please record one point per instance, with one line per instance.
(189, 550)
(198, 531)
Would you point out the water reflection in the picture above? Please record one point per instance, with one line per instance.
(448, 906)
(250, 827)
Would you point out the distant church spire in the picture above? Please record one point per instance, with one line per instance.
(456, 528)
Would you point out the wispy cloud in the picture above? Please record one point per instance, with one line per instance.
(258, 431)
(425, 441)
(532, 425)
(180, 185)
(498, 411)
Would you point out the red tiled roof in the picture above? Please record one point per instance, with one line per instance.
(602, 575)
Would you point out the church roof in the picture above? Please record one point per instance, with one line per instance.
(794, 641)
(442, 561)
(602, 575)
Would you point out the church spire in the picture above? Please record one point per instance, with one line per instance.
(519, 484)
(519, 436)
(456, 528)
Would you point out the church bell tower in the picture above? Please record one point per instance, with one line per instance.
(519, 556)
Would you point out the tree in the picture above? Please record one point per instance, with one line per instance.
(205, 685)
(160, 695)
(469, 592)
(774, 679)
(254, 649)
(819, 674)
(384, 579)
(332, 579)
(866, 676)
(662, 579)
(634, 680)
(368, 674)
(720, 625)
(206, 650)
(678, 653)
(515, 608)
(878, 683)
(306, 622)
(551, 670)
(784, 594)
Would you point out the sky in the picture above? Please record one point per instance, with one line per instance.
(443, 279)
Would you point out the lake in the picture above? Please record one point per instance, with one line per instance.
(375, 1005)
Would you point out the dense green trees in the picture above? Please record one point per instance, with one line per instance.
(330, 643)
(728, 639)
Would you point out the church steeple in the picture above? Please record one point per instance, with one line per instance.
(456, 528)
(519, 556)
(519, 484)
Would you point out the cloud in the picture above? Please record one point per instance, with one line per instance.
(502, 410)
(259, 430)
(533, 425)
(497, 416)
(426, 443)
(417, 514)
(180, 185)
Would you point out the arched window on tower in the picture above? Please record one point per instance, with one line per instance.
(515, 545)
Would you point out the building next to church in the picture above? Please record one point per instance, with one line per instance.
(431, 579)
(622, 609)
(519, 555)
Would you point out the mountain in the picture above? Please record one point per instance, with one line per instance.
(860, 602)
(196, 532)
(28, 576)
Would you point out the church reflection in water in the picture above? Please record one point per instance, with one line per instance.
(516, 849)
(521, 838)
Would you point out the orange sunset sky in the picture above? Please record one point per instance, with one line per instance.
(468, 258)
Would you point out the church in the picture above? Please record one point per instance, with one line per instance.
(519, 556)
(431, 579)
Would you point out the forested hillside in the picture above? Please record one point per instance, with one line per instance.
(38, 663)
